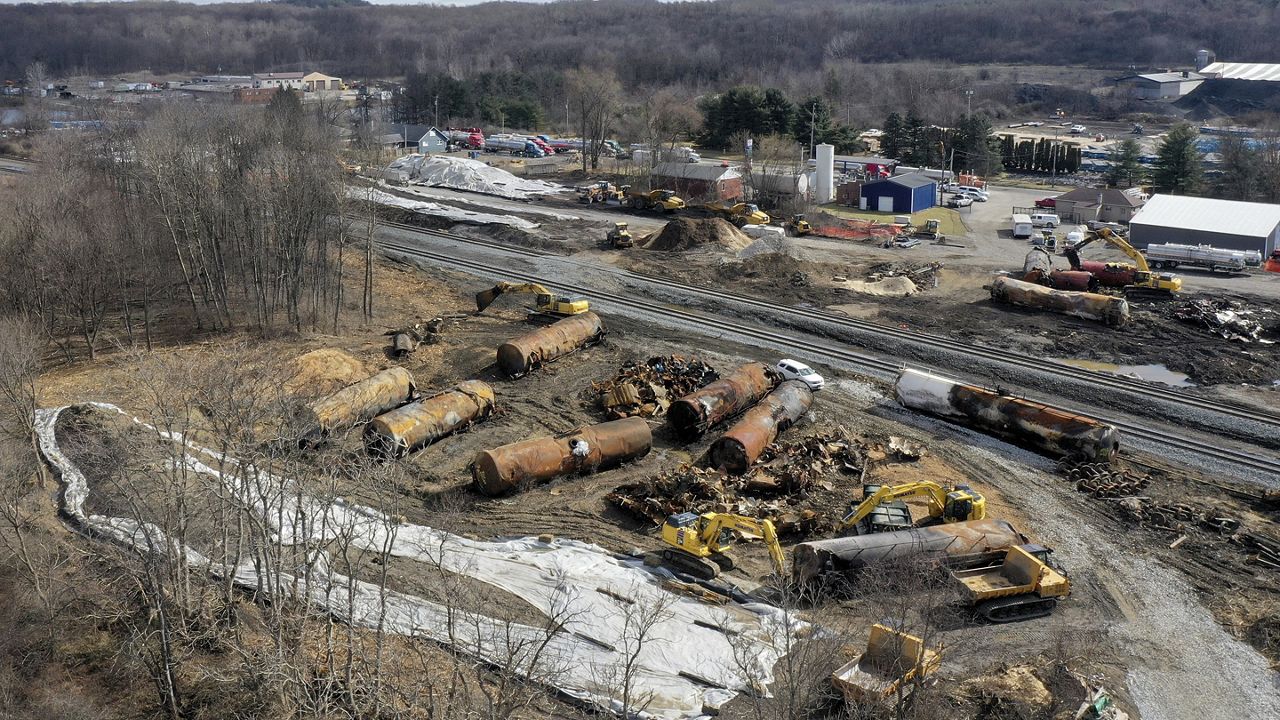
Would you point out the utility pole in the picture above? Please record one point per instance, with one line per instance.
(436, 116)
(502, 120)
(968, 96)
(567, 126)
(1053, 154)
(813, 119)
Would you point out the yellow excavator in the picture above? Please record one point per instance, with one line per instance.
(1143, 278)
(698, 542)
(547, 302)
(882, 509)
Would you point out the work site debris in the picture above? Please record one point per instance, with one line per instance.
(1227, 318)
(405, 340)
(921, 276)
(792, 485)
(1102, 480)
(647, 389)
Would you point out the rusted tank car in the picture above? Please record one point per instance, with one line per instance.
(583, 451)
(420, 423)
(818, 559)
(1113, 275)
(361, 401)
(1113, 311)
(1025, 422)
(738, 448)
(1076, 280)
(518, 356)
(693, 414)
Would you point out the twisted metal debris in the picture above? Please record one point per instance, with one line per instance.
(646, 389)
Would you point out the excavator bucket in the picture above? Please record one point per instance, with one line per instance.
(485, 298)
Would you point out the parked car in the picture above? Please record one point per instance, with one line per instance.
(1048, 220)
(1048, 203)
(1077, 129)
(1035, 123)
(959, 201)
(951, 187)
(974, 193)
(906, 242)
(796, 370)
(1117, 228)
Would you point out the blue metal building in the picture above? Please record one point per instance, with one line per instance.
(903, 194)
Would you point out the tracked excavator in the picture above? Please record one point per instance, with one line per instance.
(698, 542)
(1143, 278)
(882, 509)
(547, 303)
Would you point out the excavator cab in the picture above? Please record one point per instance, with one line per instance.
(696, 544)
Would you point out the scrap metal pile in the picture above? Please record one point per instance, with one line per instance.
(647, 389)
(793, 484)
(1227, 318)
(925, 275)
(1103, 481)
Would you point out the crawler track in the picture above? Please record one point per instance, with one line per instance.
(874, 365)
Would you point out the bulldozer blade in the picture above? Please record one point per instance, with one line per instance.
(485, 298)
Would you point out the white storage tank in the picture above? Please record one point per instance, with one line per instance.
(826, 190)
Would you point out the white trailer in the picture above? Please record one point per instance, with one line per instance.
(1022, 227)
(1169, 255)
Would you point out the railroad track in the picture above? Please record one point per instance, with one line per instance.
(877, 365)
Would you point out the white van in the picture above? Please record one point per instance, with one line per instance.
(1049, 220)
(1022, 227)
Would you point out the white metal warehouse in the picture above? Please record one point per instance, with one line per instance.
(1229, 224)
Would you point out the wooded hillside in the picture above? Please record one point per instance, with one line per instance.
(698, 44)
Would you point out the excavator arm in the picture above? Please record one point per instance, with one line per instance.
(748, 528)
(485, 298)
(937, 495)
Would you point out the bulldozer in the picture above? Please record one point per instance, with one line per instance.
(882, 509)
(547, 303)
(619, 236)
(798, 226)
(661, 200)
(932, 230)
(697, 543)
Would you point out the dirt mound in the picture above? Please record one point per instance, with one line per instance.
(688, 233)
(324, 371)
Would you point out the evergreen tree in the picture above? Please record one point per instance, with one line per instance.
(1177, 168)
(894, 140)
(1242, 170)
(974, 147)
(915, 150)
(1126, 170)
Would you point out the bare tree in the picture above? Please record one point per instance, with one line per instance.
(595, 94)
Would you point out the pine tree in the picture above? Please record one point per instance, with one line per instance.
(1177, 169)
(893, 141)
(1126, 170)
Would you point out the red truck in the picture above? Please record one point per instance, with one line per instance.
(1047, 203)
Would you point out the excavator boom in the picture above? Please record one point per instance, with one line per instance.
(947, 505)
(547, 301)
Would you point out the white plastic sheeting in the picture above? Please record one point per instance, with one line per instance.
(447, 212)
(466, 174)
(576, 582)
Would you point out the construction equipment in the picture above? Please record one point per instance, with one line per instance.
(798, 226)
(740, 213)
(619, 236)
(603, 191)
(932, 230)
(547, 303)
(698, 542)
(1021, 587)
(1143, 278)
(882, 509)
(1273, 263)
(661, 200)
(892, 660)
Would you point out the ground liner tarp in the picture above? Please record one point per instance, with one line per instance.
(572, 580)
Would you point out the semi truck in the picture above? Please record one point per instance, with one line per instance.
(471, 138)
(514, 145)
(1169, 255)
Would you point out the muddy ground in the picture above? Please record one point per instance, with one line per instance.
(1133, 593)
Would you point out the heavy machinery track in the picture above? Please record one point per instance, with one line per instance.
(884, 368)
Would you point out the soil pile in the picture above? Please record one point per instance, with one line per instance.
(688, 234)
(321, 372)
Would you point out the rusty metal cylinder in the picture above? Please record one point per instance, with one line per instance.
(1047, 429)
(583, 451)
(518, 356)
(1077, 280)
(425, 421)
(363, 400)
(402, 344)
(738, 449)
(1113, 311)
(1113, 275)
(813, 560)
(693, 414)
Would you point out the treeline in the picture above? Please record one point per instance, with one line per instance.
(216, 219)
(1044, 155)
(759, 113)
(967, 147)
(512, 98)
(647, 43)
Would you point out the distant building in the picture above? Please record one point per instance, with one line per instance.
(698, 180)
(1160, 86)
(433, 141)
(1266, 72)
(253, 96)
(224, 79)
(290, 80)
(903, 194)
(1228, 224)
(1102, 204)
(319, 82)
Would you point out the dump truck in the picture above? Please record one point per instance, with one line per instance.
(661, 200)
(739, 214)
(893, 660)
(1021, 587)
